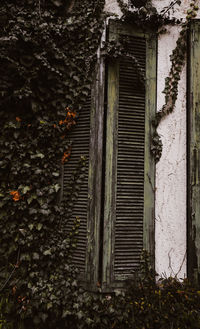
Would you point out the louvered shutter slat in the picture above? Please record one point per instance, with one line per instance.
(130, 167)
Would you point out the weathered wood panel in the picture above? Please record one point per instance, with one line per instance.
(194, 153)
(129, 209)
(95, 178)
(80, 138)
(87, 141)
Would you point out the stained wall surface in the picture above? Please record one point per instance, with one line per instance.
(171, 185)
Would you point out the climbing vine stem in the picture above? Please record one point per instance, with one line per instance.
(171, 82)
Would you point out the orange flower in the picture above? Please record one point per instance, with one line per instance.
(66, 155)
(54, 125)
(71, 114)
(18, 119)
(68, 114)
(16, 195)
(69, 119)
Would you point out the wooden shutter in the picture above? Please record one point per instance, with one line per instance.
(80, 138)
(87, 141)
(194, 153)
(129, 186)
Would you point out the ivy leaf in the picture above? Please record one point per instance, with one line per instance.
(57, 187)
(38, 171)
(47, 252)
(31, 226)
(66, 313)
(16, 134)
(90, 321)
(39, 226)
(37, 155)
(25, 189)
(80, 315)
(22, 231)
(27, 165)
(25, 257)
(36, 256)
(76, 78)
(31, 198)
(49, 305)
(55, 174)
(45, 212)
(32, 211)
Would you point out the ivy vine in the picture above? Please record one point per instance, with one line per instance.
(171, 82)
(143, 13)
(48, 54)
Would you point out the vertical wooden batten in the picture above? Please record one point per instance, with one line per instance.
(95, 175)
(149, 171)
(110, 168)
(194, 152)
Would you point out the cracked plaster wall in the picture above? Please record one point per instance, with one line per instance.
(171, 189)
(170, 211)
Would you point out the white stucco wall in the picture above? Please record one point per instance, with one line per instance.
(171, 171)
(171, 189)
(170, 208)
(112, 7)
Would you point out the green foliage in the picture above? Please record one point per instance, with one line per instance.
(118, 49)
(48, 53)
(167, 303)
(166, 10)
(177, 63)
(143, 12)
(140, 12)
(4, 311)
(40, 65)
(171, 82)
